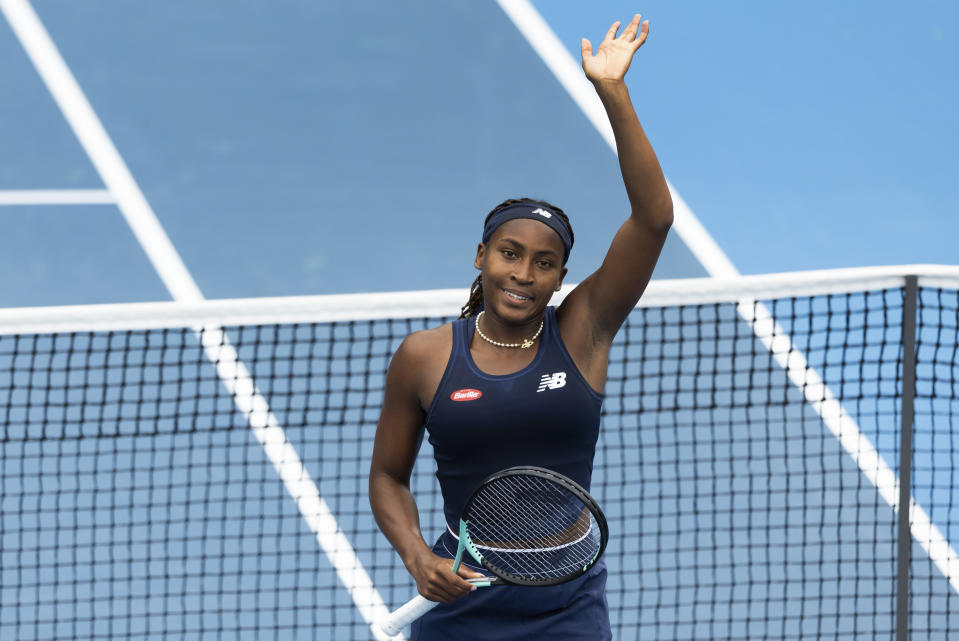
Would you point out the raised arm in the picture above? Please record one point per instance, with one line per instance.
(603, 300)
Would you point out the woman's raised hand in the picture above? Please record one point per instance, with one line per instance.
(615, 53)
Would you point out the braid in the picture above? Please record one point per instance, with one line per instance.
(472, 306)
(476, 299)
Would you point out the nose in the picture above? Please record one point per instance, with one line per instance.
(523, 271)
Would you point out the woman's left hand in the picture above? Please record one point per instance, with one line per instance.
(614, 55)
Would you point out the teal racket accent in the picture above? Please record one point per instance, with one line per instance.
(467, 544)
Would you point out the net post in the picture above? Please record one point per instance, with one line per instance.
(904, 533)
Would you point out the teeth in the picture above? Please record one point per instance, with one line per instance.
(516, 296)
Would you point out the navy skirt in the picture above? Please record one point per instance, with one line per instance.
(572, 611)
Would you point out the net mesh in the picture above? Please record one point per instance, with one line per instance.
(745, 479)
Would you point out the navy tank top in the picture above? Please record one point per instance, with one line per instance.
(545, 415)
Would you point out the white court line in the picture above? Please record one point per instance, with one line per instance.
(56, 197)
(174, 274)
(295, 477)
(845, 429)
(102, 153)
(570, 75)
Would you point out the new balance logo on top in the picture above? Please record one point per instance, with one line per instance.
(552, 381)
(543, 213)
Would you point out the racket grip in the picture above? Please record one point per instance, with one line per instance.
(405, 614)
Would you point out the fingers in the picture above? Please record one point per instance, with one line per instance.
(612, 30)
(638, 42)
(635, 26)
(446, 588)
(586, 47)
(470, 574)
(444, 593)
(631, 29)
(438, 582)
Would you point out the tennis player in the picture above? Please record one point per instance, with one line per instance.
(515, 381)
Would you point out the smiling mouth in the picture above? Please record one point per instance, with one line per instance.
(517, 297)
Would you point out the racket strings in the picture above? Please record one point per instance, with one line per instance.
(548, 545)
(532, 527)
(535, 561)
(541, 532)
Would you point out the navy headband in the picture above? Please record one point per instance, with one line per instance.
(533, 211)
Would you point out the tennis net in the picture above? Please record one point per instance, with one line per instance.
(199, 471)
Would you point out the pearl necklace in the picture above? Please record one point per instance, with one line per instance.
(526, 344)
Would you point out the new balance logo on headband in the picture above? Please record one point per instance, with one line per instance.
(552, 381)
(543, 213)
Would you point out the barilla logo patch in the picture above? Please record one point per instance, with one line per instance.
(543, 213)
(465, 395)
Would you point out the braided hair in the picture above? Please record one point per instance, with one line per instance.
(475, 302)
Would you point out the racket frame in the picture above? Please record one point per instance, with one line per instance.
(512, 579)
(419, 605)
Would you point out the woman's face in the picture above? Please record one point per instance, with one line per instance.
(522, 266)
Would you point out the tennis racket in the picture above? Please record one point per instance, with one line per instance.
(527, 526)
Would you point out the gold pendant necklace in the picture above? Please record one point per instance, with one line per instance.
(526, 344)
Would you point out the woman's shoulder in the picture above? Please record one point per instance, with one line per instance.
(420, 360)
(425, 346)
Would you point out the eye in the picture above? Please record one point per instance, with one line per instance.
(509, 253)
(545, 264)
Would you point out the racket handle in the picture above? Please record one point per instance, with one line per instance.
(405, 614)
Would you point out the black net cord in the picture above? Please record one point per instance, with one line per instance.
(904, 532)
